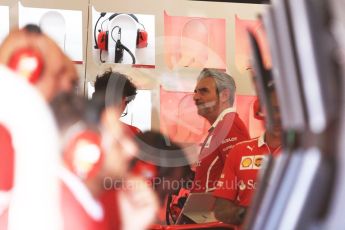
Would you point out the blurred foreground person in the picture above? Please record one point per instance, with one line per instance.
(95, 178)
(32, 55)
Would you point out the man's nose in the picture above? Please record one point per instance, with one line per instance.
(196, 96)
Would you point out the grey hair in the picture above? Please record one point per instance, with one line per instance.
(223, 81)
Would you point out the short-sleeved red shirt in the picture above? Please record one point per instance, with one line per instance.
(237, 182)
(227, 130)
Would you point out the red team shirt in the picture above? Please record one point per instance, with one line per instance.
(238, 180)
(226, 131)
(130, 130)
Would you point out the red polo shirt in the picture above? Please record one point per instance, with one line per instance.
(130, 130)
(237, 182)
(226, 131)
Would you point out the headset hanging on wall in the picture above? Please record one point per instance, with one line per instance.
(119, 47)
(101, 40)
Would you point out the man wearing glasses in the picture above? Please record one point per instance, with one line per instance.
(116, 89)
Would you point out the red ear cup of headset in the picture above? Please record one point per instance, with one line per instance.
(83, 155)
(102, 37)
(102, 40)
(141, 38)
(27, 63)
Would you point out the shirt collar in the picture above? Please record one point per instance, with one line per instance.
(261, 140)
(222, 115)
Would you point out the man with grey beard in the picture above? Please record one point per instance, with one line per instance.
(214, 97)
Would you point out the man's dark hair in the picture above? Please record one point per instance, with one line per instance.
(115, 82)
(110, 88)
(32, 28)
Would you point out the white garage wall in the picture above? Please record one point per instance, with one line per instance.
(73, 28)
(4, 22)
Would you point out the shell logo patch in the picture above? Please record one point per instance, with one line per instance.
(251, 162)
(246, 162)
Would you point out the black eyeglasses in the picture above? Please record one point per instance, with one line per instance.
(125, 112)
(127, 100)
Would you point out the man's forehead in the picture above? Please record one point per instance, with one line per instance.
(207, 82)
(15, 40)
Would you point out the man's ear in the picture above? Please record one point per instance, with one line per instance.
(224, 95)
